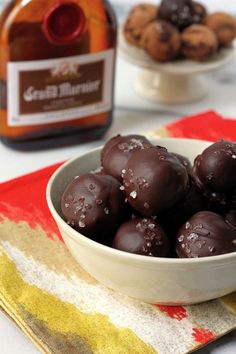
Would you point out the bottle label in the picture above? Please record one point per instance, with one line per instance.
(48, 91)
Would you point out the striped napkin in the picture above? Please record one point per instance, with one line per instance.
(63, 310)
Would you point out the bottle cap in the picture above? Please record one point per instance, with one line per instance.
(64, 23)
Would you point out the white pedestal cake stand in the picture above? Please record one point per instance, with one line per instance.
(175, 82)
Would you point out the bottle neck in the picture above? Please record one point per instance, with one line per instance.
(64, 23)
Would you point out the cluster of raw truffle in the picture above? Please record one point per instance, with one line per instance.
(179, 28)
(149, 201)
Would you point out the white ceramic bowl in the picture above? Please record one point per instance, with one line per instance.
(153, 280)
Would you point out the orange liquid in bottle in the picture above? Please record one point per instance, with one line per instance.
(57, 60)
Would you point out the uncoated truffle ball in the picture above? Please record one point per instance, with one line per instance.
(223, 25)
(215, 168)
(161, 40)
(142, 236)
(117, 152)
(139, 17)
(199, 43)
(94, 205)
(154, 180)
(205, 234)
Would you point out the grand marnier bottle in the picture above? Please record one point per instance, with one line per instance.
(57, 61)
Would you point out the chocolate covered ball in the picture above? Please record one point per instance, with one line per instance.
(199, 43)
(118, 150)
(99, 171)
(139, 17)
(233, 201)
(161, 41)
(205, 234)
(179, 12)
(224, 27)
(142, 236)
(154, 180)
(193, 202)
(200, 12)
(94, 205)
(230, 218)
(217, 202)
(184, 161)
(215, 168)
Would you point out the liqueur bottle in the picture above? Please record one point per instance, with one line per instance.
(57, 60)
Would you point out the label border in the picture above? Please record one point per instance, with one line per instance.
(68, 114)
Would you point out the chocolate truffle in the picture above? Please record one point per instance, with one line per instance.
(193, 202)
(230, 218)
(224, 27)
(139, 17)
(199, 43)
(205, 234)
(200, 12)
(142, 236)
(215, 168)
(184, 161)
(99, 171)
(217, 202)
(94, 205)
(233, 201)
(117, 152)
(154, 180)
(179, 12)
(161, 41)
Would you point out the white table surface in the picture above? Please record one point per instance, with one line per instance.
(14, 163)
(133, 114)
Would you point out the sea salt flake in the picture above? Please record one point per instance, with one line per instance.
(187, 226)
(188, 249)
(99, 201)
(151, 226)
(133, 194)
(192, 237)
(106, 211)
(81, 224)
(139, 226)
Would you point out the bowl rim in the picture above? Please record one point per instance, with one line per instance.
(121, 254)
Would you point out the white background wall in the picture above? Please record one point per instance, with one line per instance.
(227, 5)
